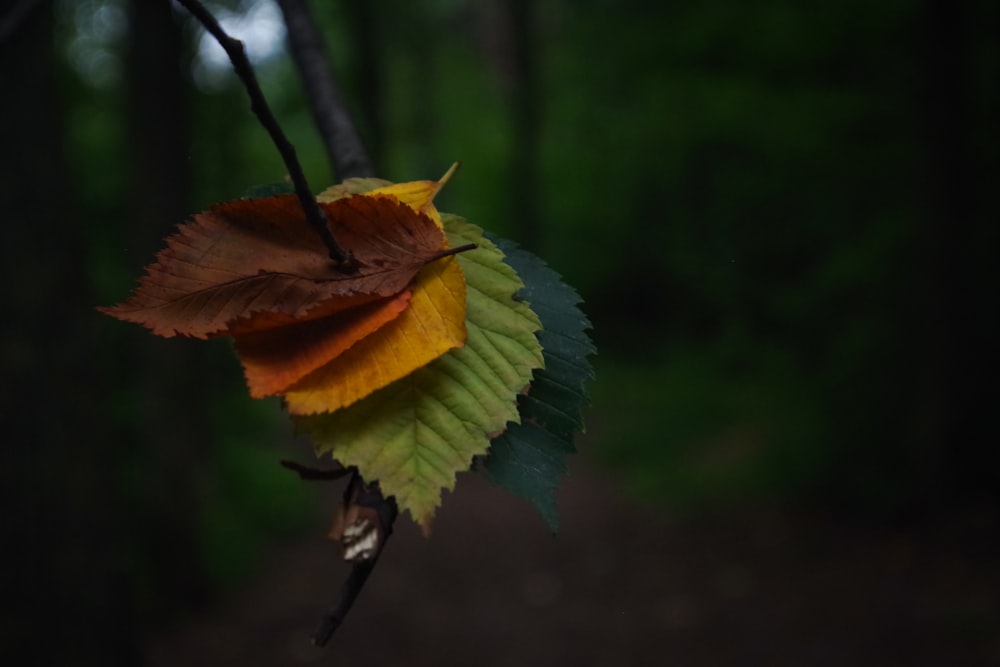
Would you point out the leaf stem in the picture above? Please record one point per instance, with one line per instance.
(448, 252)
(258, 104)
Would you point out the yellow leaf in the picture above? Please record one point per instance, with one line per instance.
(418, 195)
(433, 324)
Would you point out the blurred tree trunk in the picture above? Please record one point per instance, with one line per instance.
(524, 121)
(364, 23)
(172, 437)
(66, 594)
(959, 309)
(422, 127)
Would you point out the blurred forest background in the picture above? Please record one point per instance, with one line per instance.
(781, 215)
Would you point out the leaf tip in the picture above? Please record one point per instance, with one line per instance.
(448, 174)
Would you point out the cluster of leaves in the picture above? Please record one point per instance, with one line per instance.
(407, 366)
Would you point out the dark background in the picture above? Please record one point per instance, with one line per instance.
(782, 217)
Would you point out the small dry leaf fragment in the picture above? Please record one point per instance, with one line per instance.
(363, 521)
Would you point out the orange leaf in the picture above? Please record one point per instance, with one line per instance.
(433, 324)
(275, 359)
(251, 264)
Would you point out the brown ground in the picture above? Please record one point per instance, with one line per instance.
(620, 585)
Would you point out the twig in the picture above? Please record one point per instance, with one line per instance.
(366, 496)
(306, 472)
(371, 497)
(348, 594)
(258, 104)
(343, 143)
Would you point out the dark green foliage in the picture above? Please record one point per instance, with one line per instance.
(529, 459)
(269, 190)
(530, 462)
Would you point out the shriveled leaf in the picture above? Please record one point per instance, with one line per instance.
(529, 459)
(256, 263)
(414, 435)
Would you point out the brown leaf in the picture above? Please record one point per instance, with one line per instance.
(255, 264)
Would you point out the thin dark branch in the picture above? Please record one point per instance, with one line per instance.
(524, 113)
(305, 472)
(343, 143)
(348, 594)
(241, 65)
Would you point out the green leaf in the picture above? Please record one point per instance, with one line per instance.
(352, 186)
(529, 458)
(416, 433)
